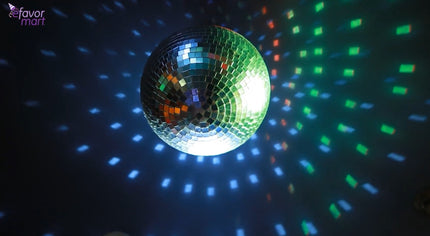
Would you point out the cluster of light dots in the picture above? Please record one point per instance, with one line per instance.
(297, 89)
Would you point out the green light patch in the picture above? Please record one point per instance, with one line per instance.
(362, 149)
(318, 51)
(351, 181)
(350, 104)
(318, 31)
(307, 110)
(342, 128)
(290, 14)
(407, 68)
(314, 93)
(356, 23)
(348, 72)
(334, 211)
(299, 126)
(319, 6)
(305, 228)
(403, 29)
(318, 70)
(325, 140)
(354, 51)
(400, 90)
(296, 29)
(298, 71)
(303, 53)
(387, 129)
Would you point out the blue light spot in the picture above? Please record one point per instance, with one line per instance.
(148, 53)
(2, 214)
(182, 157)
(240, 157)
(396, 157)
(340, 82)
(94, 110)
(48, 53)
(119, 4)
(58, 12)
(62, 128)
(268, 52)
(82, 148)
(275, 99)
(48, 234)
(211, 191)
(309, 85)
(325, 95)
(215, 161)
(262, 37)
(248, 33)
(366, 106)
(311, 116)
(161, 22)
(254, 137)
(102, 76)
(83, 50)
(278, 171)
(240, 232)
(280, 230)
(293, 131)
(120, 95)
(89, 17)
(200, 159)
(255, 151)
(113, 161)
(107, 9)
(126, 74)
(3, 62)
(133, 174)
(272, 122)
(345, 205)
(131, 53)
(370, 188)
(188, 188)
(111, 52)
(136, 33)
(188, 15)
(115, 125)
(324, 148)
(137, 138)
(286, 54)
(417, 118)
(253, 178)
(286, 108)
(311, 228)
(295, 77)
(299, 95)
(165, 183)
(233, 184)
(277, 146)
(159, 147)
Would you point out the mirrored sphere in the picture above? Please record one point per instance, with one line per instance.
(205, 90)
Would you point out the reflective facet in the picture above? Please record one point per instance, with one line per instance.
(205, 90)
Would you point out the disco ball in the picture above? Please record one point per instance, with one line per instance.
(205, 90)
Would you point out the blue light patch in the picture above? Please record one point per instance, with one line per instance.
(48, 53)
(299, 95)
(396, 157)
(366, 106)
(240, 157)
(116, 125)
(48, 234)
(160, 22)
(324, 148)
(345, 205)
(62, 128)
(262, 37)
(200, 159)
(131, 53)
(3, 62)
(280, 230)
(286, 108)
(32, 103)
(2, 214)
(133, 174)
(119, 5)
(278, 171)
(292, 131)
(120, 95)
(107, 9)
(370, 188)
(309, 85)
(137, 110)
(268, 52)
(215, 161)
(325, 95)
(83, 148)
(137, 137)
(182, 157)
(240, 232)
(188, 188)
(254, 137)
(159, 147)
(253, 178)
(113, 161)
(272, 122)
(188, 15)
(311, 116)
(89, 17)
(94, 110)
(83, 50)
(165, 183)
(136, 33)
(103, 77)
(255, 151)
(233, 184)
(417, 118)
(275, 99)
(126, 74)
(210, 191)
(311, 228)
(59, 13)
(277, 146)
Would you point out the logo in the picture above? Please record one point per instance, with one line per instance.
(27, 17)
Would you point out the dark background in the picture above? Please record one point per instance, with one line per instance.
(46, 186)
